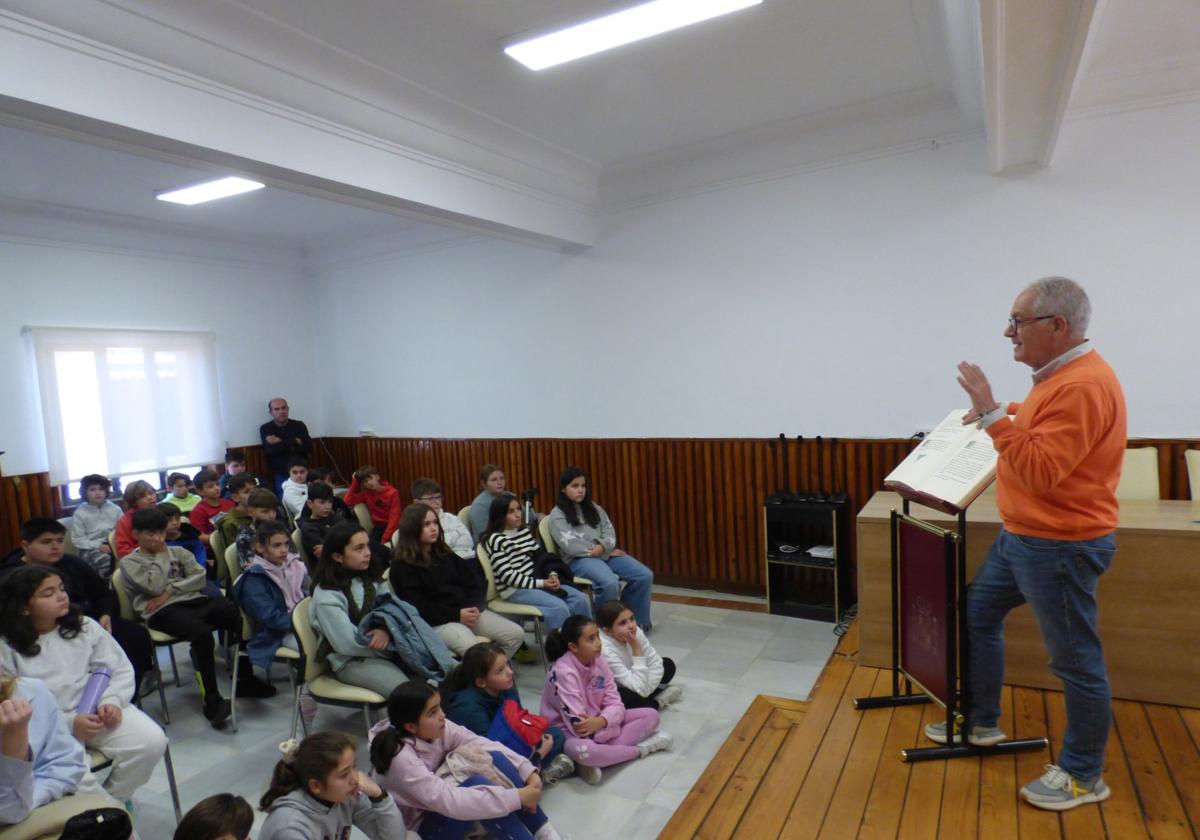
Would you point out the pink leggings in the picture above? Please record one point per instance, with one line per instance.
(637, 725)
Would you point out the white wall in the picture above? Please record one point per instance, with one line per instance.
(259, 313)
(836, 302)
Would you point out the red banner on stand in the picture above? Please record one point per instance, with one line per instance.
(925, 624)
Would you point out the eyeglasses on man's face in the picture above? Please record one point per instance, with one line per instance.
(1016, 323)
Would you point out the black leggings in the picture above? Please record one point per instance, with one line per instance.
(633, 700)
(195, 620)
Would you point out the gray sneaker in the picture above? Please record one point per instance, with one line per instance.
(668, 695)
(591, 775)
(557, 768)
(654, 742)
(1056, 790)
(980, 736)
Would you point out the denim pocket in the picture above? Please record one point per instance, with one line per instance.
(1037, 543)
(1091, 559)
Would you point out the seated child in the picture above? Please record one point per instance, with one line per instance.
(45, 637)
(345, 583)
(263, 506)
(381, 499)
(295, 488)
(42, 544)
(581, 696)
(455, 532)
(474, 692)
(407, 751)
(235, 464)
(222, 816)
(181, 493)
(192, 545)
(94, 518)
(513, 546)
(321, 475)
(317, 791)
(317, 518)
(39, 760)
(139, 495)
(642, 675)
(166, 587)
(268, 591)
(240, 488)
(211, 508)
(492, 483)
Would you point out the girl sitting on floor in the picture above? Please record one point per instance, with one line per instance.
(474, 693)
(495, 785)
(512, 546)
(642, 675)
(345, 582)
(581, 697)
(317, 791)
(45, 637)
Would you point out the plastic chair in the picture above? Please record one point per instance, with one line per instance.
(299, 543)
(464, 516)
(322, 685)
(98, 761)
(1192, 456)
(517, 612)
(68, 543)
(157, 637)
(588, 586)
(112, 544)
(363, 514)
(1139, 474)
(216, 541)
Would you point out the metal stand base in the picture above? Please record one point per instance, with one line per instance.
(886, 702)
(964, 750)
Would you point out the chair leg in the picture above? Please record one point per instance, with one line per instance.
(170, 768)
(237, 661)
(367, 718)
(162, 694)
(537, 637)
(174, 665)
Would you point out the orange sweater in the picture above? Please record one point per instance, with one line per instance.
(1061, 455)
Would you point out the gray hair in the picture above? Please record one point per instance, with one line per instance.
(1062, 296)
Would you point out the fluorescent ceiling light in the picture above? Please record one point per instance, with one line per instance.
(619, 28)
(209, 191)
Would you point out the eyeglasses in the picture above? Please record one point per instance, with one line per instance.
(437, 498)
(1017, 323)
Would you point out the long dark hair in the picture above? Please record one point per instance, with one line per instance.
(331, 574)
(608, 613)
(571, 510)
(497, 513)
(17, 587)
(476, 663)
(218, 816)
(408, 543)
(317, 757)
(405, 705)
(557, 642)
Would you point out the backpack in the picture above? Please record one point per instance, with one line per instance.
(516, 728)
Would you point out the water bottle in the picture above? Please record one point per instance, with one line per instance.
(97, 684)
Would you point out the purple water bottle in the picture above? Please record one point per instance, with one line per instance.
(97, 684)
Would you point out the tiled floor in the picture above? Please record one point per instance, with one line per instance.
(725, 658)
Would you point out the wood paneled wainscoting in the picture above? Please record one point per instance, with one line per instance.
(689, 507)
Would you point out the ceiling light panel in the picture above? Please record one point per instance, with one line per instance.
(619, 28)
(209, 191)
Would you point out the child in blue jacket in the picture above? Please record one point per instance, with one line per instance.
(268, 590)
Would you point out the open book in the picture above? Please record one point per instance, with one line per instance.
(953, 465)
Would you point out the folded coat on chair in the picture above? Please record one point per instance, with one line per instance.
(414, 646)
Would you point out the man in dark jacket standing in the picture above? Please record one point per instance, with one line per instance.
(283, 439)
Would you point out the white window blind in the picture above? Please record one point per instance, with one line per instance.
(117, 402)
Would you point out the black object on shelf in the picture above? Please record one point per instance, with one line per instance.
(807, 570)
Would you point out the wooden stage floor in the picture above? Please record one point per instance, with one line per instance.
(821, 769)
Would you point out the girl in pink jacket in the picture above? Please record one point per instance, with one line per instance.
(410, 746)
(581, 697)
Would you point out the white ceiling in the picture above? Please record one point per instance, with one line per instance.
(771, 63)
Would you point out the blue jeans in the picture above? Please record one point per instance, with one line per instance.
(554, 609)
(1058, 580)
(608, 573)
(519, 825)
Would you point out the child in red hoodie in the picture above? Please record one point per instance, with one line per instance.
(381, 499)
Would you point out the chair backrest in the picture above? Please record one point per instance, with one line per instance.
(68, 543)
(233, 569)
(306, 637)
(216, 541)
(112, 544)
(547, 537)
(299, 543)
(1139, 475)
(464, 516)
(123, 602)
(485, 561)
(363, 514)
(1193, 464)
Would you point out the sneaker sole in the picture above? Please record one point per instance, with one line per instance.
(1067, 804)
(975, 742)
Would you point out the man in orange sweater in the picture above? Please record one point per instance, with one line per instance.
(1060, 452)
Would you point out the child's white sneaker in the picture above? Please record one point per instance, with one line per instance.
(557, 768)
(668, 695)
(591, 775)
(657, 741)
